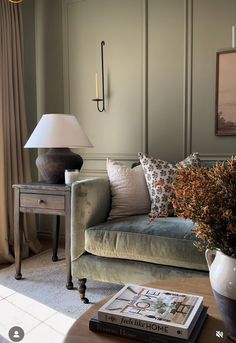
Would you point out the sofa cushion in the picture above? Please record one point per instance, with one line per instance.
(129, 191)
(159, 177)
(123, 271)
(165, 241)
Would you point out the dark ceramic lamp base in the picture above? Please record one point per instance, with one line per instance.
(55, 161)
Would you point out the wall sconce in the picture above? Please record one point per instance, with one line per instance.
(233, 36)
(15, 1)
(97, 99)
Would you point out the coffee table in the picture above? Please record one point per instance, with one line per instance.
(80, 333)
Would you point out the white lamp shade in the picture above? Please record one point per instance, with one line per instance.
(58, 131)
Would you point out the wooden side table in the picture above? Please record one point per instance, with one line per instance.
(42, 198)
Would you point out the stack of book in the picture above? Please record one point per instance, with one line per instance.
(151, 315)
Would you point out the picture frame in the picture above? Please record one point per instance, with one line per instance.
(225, 122)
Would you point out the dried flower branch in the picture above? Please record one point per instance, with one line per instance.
(207, 196)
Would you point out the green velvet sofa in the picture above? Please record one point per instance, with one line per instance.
(127, 250)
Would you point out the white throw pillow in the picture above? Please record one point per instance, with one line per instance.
(129, 190)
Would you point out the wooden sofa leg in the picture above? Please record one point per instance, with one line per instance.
(82, 289)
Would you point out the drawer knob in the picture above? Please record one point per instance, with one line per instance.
(40, 201)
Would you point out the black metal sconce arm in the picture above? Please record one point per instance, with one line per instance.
(101, 100)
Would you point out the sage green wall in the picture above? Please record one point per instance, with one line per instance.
(160, 67)
(30, 73)
(49, 69)
(49, 72)
(119, 132)
(43, 57)
(212, 22)
(166, 58)
(160, 73)
(43, 60)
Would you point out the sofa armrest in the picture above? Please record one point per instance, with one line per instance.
(90, 205)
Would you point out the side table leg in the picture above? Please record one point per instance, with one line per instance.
(18, 234)
(69, 284)
(55, 238)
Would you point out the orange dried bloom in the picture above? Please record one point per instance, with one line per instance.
(207, 196)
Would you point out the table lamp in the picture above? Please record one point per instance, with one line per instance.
(58, 132)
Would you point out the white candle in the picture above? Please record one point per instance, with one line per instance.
(71, 175)
(96, 85)
(233, 32)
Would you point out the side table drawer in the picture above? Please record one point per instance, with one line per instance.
(43, 201)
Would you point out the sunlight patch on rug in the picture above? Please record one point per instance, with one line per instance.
(41, 295)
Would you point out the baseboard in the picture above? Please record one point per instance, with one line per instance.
(48, 236)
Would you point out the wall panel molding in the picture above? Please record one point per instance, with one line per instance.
(140, 137)
(93, 173)
(145, 78)
(104, 156)
(216, 156)
(212, 24)
(65, 4)
(168, 74)
(188, 66)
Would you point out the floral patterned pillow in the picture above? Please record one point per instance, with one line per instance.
(159, 176)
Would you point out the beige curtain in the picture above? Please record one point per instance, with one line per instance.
(14, 159)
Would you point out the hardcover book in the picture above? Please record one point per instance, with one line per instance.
(146, 336)
(154, 310)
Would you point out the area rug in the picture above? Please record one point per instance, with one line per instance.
(45, 281)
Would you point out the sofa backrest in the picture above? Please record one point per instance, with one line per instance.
(209, 163)
(204, 163)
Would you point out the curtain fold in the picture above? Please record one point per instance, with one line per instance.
(14, 159)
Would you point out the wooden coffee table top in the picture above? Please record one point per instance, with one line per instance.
(80, 333)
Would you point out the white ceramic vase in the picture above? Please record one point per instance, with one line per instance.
(222, 272)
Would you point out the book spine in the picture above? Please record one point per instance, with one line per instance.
(143, 325)
(136, 335)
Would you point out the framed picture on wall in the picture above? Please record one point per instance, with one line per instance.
(226, 93)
